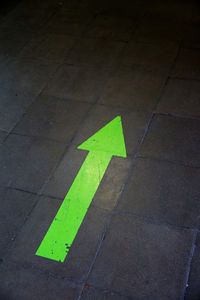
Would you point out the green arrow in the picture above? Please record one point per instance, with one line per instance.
(108, 141)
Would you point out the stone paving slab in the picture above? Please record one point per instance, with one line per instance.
(22, 284)
(48, 47)
(90, 293)
(134, 125)
(163, 191)
(193, 289)
(142, 260)
(111, 27)
(3, 135)
(126, 88)
(174, 139)
(53, 118)
(13, 105)
(82, 252)
(96, 53)
(187, 64)
(180, 97)
(150, 55)
(26, 75)
(26, 162)
(15, 208)
(110, 186)
(78, 83)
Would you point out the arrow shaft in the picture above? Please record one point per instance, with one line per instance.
(71, 213)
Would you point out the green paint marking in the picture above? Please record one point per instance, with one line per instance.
(107, 142)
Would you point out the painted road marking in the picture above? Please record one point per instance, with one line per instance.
(105, 143)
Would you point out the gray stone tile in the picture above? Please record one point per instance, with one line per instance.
(26, 75)
(90, 293)
(156, 27)
(164, 192)
(187, 64)
(53, 118)
(126, 88)
(112, 27)
(26, 162)
(193, 289)
(109, 189)
(134, 124)
(174, 139)
(31, 19)
(153, 56)
(141, 260)
(77, 83)
(3, 135)
(11, 48)
(13, 105)
(96, 53)
(15, 207)
(21, 283)
(81, 253)
(72, 21)
(48, 47)
(180, 97)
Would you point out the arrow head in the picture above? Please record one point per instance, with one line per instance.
(109, 139)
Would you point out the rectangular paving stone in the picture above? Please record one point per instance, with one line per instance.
(50, 117)
(11, 47)
(109, 188)
(111, 27)
(90, 293)
(142, 260)
(163, 191)
(3, 135)
(21, 283)
(26, 162)
(82, 251)
(180, 97)
(150, 55)
(187, 64)
(13, 105)
(193, 289)
(77, 83)
(126, 88)
(156, 27)
(172, 138)
(72, 21)
(31, 19)
(96, 53)
(48, 47)
(134, 124)
(15, 207)
(27, 75)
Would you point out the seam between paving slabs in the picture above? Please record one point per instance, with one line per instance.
(192, 251)
(107, 224)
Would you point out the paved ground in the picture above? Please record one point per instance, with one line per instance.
(68, 68)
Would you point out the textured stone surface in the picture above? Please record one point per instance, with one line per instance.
(13, 105)
(126, 88)
(193, 290)
(50, 117)
(187, 64)
(26, 162)
(15, 207)
(90, 293)
(18, 283)
(172, 138)
(26, 75)
(181, 97)
(136, 258)
(163, 191)
(77, 83)
(81, 253)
